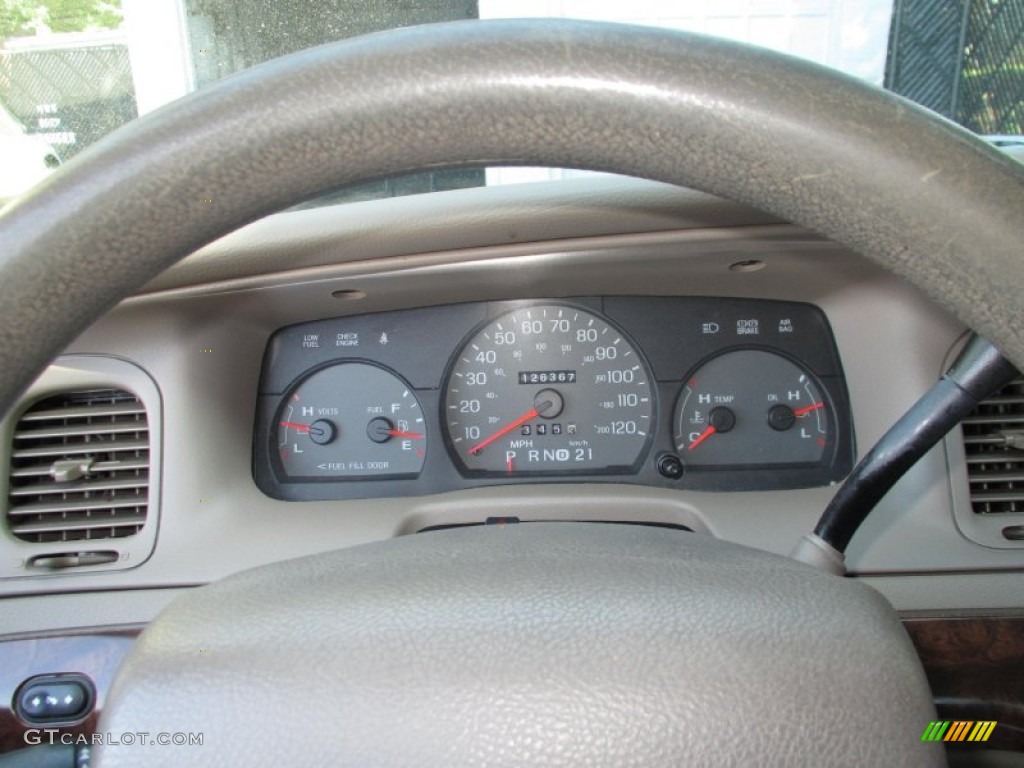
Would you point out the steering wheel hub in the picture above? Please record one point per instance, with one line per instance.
(530, 644)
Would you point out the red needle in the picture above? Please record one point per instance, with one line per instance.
(299, 427)
(530, 414)
(400, 433)
(804, 411)
(702, 437)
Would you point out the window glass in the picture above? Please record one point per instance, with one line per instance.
(71, 71)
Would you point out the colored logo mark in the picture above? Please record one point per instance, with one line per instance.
(958, 730)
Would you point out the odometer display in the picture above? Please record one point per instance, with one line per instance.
(547, 377)
(549, 388)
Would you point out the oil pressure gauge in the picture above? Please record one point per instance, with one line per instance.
(351, 420)
(752, 407)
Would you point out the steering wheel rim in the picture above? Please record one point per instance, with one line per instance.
(869, 170)
(865, 168)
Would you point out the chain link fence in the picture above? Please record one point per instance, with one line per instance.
(991, 94)
(68, 96)
(963, 59)
(71, 93)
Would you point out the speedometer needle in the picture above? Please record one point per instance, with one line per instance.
(530, 414)
(708, 432)
(804, 411)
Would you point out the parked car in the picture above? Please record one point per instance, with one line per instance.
(25, 160)
(1011, 145)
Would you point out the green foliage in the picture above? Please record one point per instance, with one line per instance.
(79, 15)
(17, 17)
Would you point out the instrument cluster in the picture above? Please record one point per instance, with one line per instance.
(694, 393)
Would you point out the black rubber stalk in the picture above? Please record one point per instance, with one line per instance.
(979, 371)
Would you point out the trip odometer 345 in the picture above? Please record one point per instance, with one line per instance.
(549, 388)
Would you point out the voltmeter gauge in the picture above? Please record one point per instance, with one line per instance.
(751, 407)
(350, 420)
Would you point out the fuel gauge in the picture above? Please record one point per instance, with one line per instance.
(751, 407)
(351, 420)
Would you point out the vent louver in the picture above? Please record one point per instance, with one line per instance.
(80, 468)
(994, 447)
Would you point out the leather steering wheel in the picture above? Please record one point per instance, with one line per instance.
(556, 644)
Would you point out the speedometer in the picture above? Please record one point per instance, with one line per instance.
(551, 389)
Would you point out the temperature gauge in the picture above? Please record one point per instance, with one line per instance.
(351, 420)
(751, 407)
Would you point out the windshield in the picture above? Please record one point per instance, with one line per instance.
(72, 71)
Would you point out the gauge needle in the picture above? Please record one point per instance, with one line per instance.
(804, 411)
(409, 435)
(530, 414)
(702, 437)
(299, 427)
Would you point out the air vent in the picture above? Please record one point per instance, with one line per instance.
(994, 448)
(80, 468)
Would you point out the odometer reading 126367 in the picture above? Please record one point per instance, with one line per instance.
(548, 388)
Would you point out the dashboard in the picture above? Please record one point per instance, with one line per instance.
(694, 364)
(691, 393)
(216, 349)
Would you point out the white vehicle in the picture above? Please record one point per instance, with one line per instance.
(24, 159)
(1011, 145)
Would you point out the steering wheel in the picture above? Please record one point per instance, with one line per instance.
(554, 644)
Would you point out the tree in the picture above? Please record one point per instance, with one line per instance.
(16, 17)
(19, 18)
(79, 15)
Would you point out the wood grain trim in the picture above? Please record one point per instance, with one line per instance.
(976, 670)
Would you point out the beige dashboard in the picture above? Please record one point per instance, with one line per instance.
(193, 342)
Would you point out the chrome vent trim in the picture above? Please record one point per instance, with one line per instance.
(993, 436)
(80, 468)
